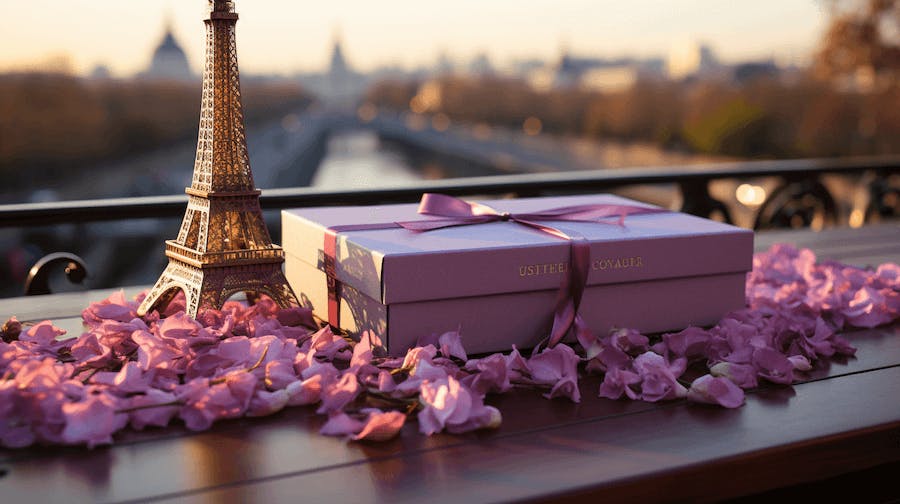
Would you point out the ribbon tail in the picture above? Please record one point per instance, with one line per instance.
(562, 320)
(571, 291)
(329, 251)
(434, 224)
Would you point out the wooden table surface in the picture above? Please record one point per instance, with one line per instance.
(837, 431)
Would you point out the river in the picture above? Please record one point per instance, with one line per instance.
(356, 160)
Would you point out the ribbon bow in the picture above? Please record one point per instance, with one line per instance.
(456, 212)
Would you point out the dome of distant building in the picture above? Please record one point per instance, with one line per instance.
(100, 72)
(339, 86)
(338, 63)
(169, 61)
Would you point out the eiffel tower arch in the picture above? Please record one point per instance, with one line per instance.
(223, 245)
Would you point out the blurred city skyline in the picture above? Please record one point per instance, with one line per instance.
(285, 37)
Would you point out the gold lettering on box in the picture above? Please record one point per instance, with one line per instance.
(556, 268)
(607, 263)
(603, 263)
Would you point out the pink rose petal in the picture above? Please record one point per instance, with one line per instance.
(339, 393)
(340, 424)
(296, 316)
(714, 390)
(659, 380)
(91, 422)
(773, 366)
(742, 375)
(279, 374)
(867, 309)
(553, 364)
(566, 387)
(618, 382)
(381, 426)
(489, 375)
(148, 409)
(308, 391)
(266, 403)
(450, 345)
(42, 333)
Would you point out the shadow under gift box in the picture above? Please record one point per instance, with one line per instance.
(498, 282)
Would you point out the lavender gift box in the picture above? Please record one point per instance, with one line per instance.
(498, 282)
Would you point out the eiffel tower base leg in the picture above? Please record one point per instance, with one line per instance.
(211, 287)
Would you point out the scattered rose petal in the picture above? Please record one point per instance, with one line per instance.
(553, 365)
(566, 387)
(489, 375)
(773, 366)
(715, 390)
(381, 426)
(42, 333)
(867, 309)
(338, 394)
(450, 345)
(308, 391)
(690, 343)
(742, 375)
(659, 379)
(444, 401)
(91, 421)
(155, 408)
(131, 379)
(629, 341)
(340, 424)
(800, 363)
(279, 374)
(265, 403)
(255, 360)
(296, 316)
(618, 382)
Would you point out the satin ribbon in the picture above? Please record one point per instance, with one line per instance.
(454, 212)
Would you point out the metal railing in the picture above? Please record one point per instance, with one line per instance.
(799, 199)
(799, 180)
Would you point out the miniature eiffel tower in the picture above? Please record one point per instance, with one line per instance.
(223, 246)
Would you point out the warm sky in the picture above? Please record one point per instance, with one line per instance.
(285, 36)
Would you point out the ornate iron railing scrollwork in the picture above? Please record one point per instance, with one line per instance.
(884, 198)
(38, 280)
(798, 203)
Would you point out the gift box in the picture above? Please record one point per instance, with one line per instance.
(497, 280)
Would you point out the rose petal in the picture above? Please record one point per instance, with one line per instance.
(90, 421)
(339, 424)
(381, 426)
(450, 345)
(715, 390)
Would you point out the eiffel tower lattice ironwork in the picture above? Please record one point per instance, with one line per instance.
(223, 246)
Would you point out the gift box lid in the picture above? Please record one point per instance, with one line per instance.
(397, 265)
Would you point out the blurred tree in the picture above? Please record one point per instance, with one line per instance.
(862, 43)
(735, 128)
(53, 123)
